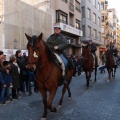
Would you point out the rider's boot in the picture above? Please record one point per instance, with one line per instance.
(64, 78)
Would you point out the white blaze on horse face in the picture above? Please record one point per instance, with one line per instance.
(35, 55)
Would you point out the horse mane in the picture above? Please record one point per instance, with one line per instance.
(49, 53)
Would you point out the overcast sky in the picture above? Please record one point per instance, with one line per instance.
(115, 4)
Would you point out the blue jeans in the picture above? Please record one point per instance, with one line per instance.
(3, 92)
(64, 60)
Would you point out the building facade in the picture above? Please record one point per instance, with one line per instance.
(113, 14)
(91, 22)
(67, 14)
(18, 18)
(104, 27)
(118, 39)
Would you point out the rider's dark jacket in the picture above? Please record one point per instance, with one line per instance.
(112, 49)
(92, 47)
(57, 40)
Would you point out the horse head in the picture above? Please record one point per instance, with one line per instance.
(85, 52)
(35, 48)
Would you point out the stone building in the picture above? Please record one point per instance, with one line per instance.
(91, 22)
(67, 14)
(17, 18)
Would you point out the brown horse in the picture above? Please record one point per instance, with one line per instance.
(48, 74)
(110, 65)
(88, 64)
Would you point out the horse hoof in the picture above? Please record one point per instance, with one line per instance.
(56, 109)
(59, 106)
(43, 119)
(69, 98)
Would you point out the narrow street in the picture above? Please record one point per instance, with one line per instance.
(100, 102)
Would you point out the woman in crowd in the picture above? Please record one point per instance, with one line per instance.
(15, 72)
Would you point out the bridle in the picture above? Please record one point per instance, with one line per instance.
(32, 42)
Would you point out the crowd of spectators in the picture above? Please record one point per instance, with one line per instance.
(15, 79)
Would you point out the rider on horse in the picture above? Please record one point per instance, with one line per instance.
(57, 43)
(113, 51)
(93, 49)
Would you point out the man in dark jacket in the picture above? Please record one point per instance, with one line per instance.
(113, 51)
(93, 49)
(24, 74)
(57, 44)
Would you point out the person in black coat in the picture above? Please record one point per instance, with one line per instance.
(15, 73)
(24, 74)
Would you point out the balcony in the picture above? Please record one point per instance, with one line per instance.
(110, 25)
(71, 7)
(110, 35)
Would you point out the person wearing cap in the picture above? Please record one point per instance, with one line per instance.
(93, 49)
(57, 43)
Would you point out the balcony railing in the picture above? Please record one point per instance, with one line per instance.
(71, 7)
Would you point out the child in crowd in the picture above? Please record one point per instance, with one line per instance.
(6, 83)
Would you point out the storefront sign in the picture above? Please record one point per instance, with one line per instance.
(70, 29)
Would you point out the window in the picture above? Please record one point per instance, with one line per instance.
(102, 5)
(61, 17)
(94, 34)
(88, 13)
(99, 36)
(98, 21)
(83, 29)
(83, 12)
(89, 31)
(94, 2)
(102, 18)
(77, 5)
(94, 17)
(98, 6)
(88, 0)
(103, 29)
(65, 1)
(77, 24)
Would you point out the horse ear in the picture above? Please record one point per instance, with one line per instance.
(40, 36)
(28, 37)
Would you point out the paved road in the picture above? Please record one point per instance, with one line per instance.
(100, 102)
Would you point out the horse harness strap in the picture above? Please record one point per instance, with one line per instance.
(43, 81)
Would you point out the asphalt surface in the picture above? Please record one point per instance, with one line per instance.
(100, 102)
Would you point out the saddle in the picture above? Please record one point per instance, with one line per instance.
(58, 61)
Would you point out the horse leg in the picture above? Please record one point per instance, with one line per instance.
(95, 73)
(44, 96)
(61, 99)
(87, 78)
(51, 97)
